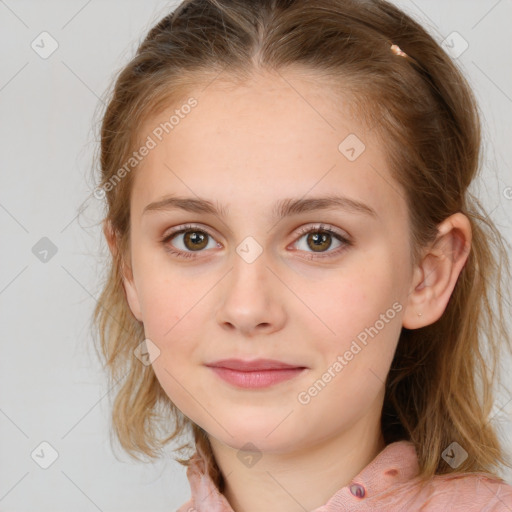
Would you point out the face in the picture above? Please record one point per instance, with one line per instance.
(257, 285)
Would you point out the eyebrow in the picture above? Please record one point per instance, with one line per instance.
(283, 208)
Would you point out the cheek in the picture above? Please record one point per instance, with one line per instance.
(169, 322)
(354, 297)
(168, 314)
(165, 295)
(174, 308)
(162, 308)
(363, 312)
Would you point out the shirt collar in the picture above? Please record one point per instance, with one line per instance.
(396, 463)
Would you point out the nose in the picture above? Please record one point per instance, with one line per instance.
(251, 298)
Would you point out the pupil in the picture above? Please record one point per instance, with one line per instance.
(197, 238)
(319, 240)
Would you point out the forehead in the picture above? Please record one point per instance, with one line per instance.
(275, 136)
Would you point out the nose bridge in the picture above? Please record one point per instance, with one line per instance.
(249, 269)
(249, 296)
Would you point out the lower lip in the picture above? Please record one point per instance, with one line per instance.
(256, 379)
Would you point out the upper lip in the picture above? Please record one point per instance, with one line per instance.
(253, 365)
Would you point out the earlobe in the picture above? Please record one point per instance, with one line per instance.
(127, 276)
(108, 232)
(434, 279)
(132, 298)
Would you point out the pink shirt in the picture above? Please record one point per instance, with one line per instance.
(387, 483)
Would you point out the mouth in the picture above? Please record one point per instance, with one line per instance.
(259, 373)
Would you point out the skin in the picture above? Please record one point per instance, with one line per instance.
(248, 147)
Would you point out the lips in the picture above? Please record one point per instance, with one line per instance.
(253, 366)
(255, 374)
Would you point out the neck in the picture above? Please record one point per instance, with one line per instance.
(304, 479)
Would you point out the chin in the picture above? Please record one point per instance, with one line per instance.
(262, 434)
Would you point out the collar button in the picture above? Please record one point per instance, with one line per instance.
(357, 490)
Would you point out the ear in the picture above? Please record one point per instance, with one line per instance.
(436, 275)
(131, 293)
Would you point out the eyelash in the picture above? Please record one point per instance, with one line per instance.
(303, 231)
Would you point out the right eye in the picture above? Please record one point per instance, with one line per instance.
(195, 240)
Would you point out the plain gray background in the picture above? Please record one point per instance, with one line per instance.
(52, 388)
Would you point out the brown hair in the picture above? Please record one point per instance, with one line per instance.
(440, 385)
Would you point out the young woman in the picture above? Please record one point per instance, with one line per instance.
(300, 277)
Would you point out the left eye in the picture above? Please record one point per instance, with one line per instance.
(318, 239)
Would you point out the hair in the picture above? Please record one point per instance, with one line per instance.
(440, 387)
